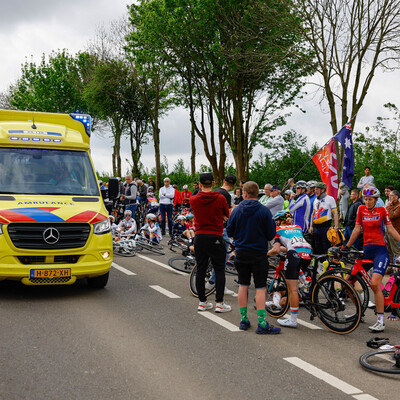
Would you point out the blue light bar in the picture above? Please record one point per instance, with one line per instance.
(14, 138)
(46, 140)
(85, 119)
(25, 139)
(57, 140)
(35, 139)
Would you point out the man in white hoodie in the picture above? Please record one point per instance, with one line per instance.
(167, 193)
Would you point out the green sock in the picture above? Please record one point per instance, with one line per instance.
(243, 313)
(261, 317)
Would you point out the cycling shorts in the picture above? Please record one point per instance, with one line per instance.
(379, 255)
(248, 263)
(293, 264)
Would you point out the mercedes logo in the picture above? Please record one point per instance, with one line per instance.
(51, 236)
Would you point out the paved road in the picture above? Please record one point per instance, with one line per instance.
(142, 338)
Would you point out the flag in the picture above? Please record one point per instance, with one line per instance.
(326, 162)
(345, 139)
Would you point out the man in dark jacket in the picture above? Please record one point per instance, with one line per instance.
(351, 215)
(210, 209)
(252, 226)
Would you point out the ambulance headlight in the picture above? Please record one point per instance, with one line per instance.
(102, 227)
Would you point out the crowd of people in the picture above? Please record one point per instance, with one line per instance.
(297, 221)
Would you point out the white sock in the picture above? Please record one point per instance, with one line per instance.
(380, 319)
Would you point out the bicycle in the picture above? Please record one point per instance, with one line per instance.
(143, 242)
(184, 263)
(386, 360)
(331, 298)
(125, 247)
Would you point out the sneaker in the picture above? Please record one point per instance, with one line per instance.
(267, 330)
(272, 305)
(371, 304)
(228, 291)
(204, 305)
(378, 327)
(210, 285)
(222, 307)
(287, 322)
(244, 325)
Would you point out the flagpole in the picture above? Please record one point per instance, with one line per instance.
(308, 162)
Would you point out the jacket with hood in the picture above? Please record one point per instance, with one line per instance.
(252, 226)
(209, 209)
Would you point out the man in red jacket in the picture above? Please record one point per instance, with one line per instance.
(210, 210)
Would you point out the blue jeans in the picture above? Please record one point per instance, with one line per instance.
(166, 209)
(132, 207)
(347, 233)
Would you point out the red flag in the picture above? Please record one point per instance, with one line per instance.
(326, 162)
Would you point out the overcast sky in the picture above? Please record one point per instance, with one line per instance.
(29, 28)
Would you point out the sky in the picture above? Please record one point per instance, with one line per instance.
(29, 28)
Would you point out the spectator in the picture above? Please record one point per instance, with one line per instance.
(367, 179)
(177, 197)
(276, 202)
(324, 211)
(388, 189)
(343, 200)
(251, 226)
(393, 209)
(195, 188)
(238, 196)
(167, 194)
(299, 206)
(288, 194)
(151, 181)
(267, 194)
(142, 187)
(129, 198)
(351, 216)
(210, 209)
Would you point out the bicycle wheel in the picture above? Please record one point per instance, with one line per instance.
(387, 361)
(230, 268)
(359, 284)
(124, 252)
(183, 264)
(336, 304)
(210, 286)
(148, 245)
(276, 287)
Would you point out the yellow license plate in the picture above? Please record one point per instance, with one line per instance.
(51, 273)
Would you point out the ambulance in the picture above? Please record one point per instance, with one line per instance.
(54, 227)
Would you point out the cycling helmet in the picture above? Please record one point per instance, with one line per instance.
(180, 218)
(302, 184)
(311, 184)
(334, 252)
(282, 215)
(336, 237)
(151, 217)
(371, 191)
(320, 185)
(150, 188)
(190, 215)
(128, 212)
(185, 187)
(289, 192)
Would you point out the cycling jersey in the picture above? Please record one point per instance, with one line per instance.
(190, 226)
(153, 227)
(323, 209)
(301, 211)
(127, 226)
(178, 228)
(373, 223)
(291, 237)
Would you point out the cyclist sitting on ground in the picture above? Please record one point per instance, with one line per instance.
(128, 225)
(151, 229)
(371, 220)
(289, 238)
(179, 226)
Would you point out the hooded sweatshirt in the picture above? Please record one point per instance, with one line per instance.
(209, 209)
(252, 226)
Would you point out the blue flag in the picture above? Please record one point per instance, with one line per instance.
(345, 139)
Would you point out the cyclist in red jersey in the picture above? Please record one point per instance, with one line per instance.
(372, 220)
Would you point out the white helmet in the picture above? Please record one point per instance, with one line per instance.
(151, 217)
(311, 184)
(185, 187)
(180, 218)
(128, 213)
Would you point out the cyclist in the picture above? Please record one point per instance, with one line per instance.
(189, 232)
(179, 226)
(371, 220)
(300, 206)
(289, 238)
(128, 225)
(185, 195)
(151, 229)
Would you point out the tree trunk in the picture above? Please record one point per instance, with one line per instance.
(156, 138)
(193, 155)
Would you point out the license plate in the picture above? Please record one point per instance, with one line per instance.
(51, 273)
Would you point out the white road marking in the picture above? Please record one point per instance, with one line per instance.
(122, 269)
(324, 376)
(304, 323)
(165, 292)
(220, 321)
(364, 396)
(160, 264)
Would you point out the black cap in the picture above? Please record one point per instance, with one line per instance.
(206, 178)
(231, 179)
(275, 187)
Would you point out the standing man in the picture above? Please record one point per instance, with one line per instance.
(129, 198)
(167, 193)
(276, 202)
(185, 195)
(324, 211)
(299, 206)
(366, 179)
(267, 194)
(351, 216)
(196, 188)
(251, 226)
(210, 210)
(142, 188)
(393, 209)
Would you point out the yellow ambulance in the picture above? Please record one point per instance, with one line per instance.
(54, 227)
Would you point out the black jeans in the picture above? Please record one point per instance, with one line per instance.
(321, 241)
(210, 247)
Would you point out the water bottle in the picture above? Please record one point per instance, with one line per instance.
(307, 284)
